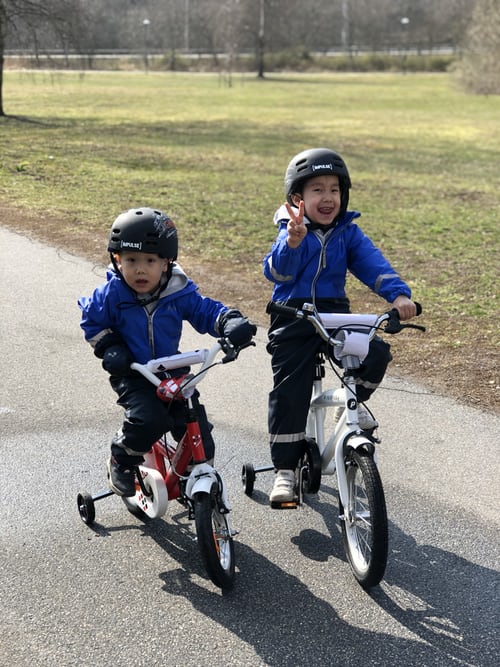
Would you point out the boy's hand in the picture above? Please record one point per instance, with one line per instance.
(117, 360)
(296, 227)
(236, 328)
(239, 331)
(405, 307)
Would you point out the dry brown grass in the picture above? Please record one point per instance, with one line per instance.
(465, 369)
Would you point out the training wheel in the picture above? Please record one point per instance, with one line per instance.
(248, 478)
(86, 507)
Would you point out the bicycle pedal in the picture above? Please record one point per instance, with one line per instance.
(286, 505)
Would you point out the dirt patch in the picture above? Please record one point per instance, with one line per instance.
(464, 366)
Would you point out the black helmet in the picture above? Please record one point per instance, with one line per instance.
(144, 230)
(317, 162)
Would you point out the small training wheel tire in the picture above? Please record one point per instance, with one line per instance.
(248, 478)
(86, 507)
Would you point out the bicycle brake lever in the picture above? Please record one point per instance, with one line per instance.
(413, 326)
(393, 325)
(232, 352)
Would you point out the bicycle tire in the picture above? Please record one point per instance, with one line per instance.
(214, 539)
(364, 526)
(311, 460)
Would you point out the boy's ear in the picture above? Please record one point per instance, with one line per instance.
(296, 198)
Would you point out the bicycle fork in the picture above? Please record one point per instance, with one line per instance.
(346, 434)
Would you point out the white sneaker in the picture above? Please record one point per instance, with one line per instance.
(284, 487)
(366, 421)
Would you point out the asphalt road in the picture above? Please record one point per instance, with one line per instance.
(128, 593)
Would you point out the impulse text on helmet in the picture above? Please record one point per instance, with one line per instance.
(137, 245)
(315, 167)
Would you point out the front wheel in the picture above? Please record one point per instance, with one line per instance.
(214, 539)
(364, 521)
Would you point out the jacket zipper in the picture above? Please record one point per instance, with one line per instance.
(150, 332)
(323, 239)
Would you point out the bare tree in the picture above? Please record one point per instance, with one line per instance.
(478, 69)
(229, 27)
(59, 18)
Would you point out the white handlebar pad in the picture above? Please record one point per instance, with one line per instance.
(177, 360)
(336, 320)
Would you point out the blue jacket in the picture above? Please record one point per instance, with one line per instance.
(149, 331)
(317, 269)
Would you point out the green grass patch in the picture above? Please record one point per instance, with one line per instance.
(423, 157)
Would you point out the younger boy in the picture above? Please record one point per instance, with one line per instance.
(317, 243)
(137, 315)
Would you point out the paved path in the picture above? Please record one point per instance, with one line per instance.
(126, 593)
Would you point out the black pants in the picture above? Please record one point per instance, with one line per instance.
(147, 419)
(293, 349)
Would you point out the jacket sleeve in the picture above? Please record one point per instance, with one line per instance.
(95, 321)
(282, 263)
(369, 265)
(201, 312)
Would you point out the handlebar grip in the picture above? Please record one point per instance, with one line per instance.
(279, 309)
(419, 308)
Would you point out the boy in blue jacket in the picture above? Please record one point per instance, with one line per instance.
(318, 242)
(137, 315)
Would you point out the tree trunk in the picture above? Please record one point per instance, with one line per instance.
(3, 27)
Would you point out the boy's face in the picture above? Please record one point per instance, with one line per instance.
(141, 271)
(321, 197)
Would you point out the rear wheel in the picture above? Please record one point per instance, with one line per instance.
(214, 539)
(364, 521)
(151, 496)
(311, 476)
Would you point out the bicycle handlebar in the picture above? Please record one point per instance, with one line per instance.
(203, 356)
(365, 323)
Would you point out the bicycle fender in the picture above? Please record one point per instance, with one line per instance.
(201, 480)
(358, 442)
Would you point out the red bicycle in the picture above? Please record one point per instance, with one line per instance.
(180, 471)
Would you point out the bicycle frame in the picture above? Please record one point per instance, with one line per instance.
(172, 461)
(347, 430)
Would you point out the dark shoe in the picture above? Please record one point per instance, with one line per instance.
(121, 479)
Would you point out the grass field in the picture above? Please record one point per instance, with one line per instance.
(424, 159)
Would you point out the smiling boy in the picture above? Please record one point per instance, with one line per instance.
(318, 242)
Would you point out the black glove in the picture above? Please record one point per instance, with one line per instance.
(236, 328)
(115, 355)
(117, 360)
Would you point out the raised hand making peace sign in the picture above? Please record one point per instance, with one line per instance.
(296, 227)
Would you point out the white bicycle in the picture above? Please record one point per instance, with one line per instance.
(347, 451)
